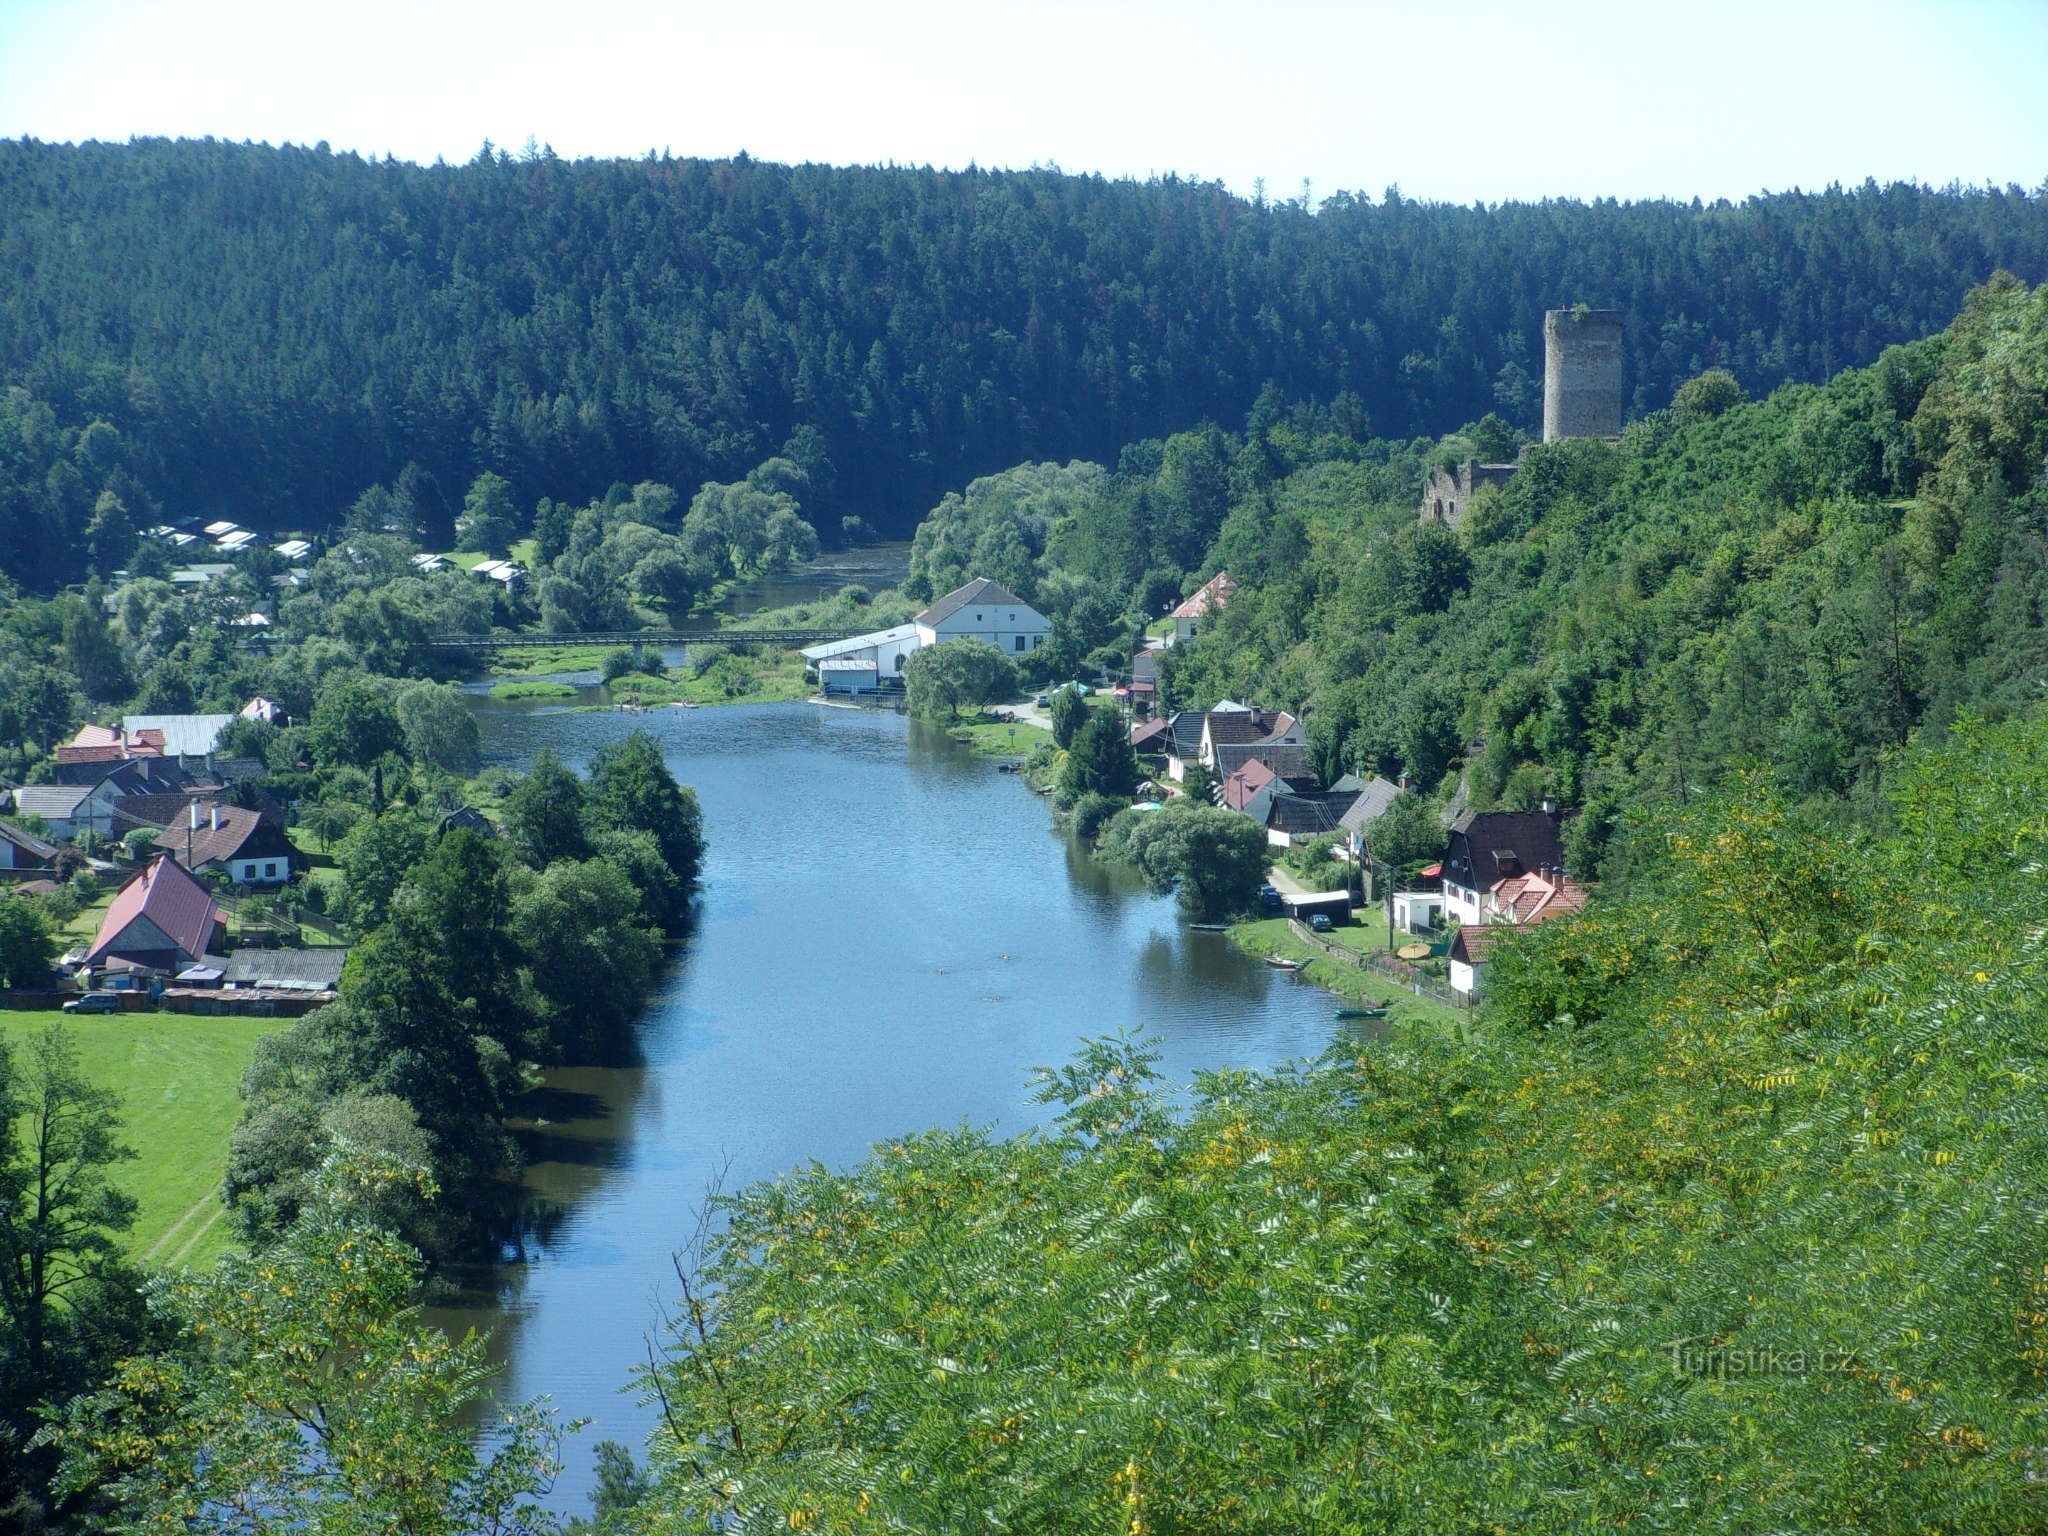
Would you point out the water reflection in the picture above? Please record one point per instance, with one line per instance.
(890, 937)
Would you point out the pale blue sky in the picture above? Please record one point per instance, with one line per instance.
(1454, 101)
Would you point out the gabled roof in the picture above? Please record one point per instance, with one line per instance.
(1375, 795)
(1533, 899)
(1187, 733)
(28, 842)
(1285, 759)
(1247, 781)
(1486, 846)
(1152, 735)
(52, 802)
(224, 832)
(184, 735)
(171, 899)
(980, 592)
(1216, 592)
(1306, 815)
(1473, 944)
(832, 648)
(260, 708)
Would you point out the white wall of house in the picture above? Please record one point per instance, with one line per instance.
(1464, 904)
(1415, 911)
(1466, 978)
(271, 871)
(1013, 629)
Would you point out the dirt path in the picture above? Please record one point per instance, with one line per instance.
(192, 1242)
(211, 1198)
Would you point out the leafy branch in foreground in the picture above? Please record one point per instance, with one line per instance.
(304, 1395)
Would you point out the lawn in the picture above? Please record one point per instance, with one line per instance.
(773, 677)
(1272, 936)
(178, 1076)
(993, 738)
(536, 660)
(532, 688)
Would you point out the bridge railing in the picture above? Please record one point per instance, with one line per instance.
(502, 639)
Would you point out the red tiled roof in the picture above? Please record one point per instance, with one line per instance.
(239, 833)
(1473, 945)
(1216, 593)
(170, 898)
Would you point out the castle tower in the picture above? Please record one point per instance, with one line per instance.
(1581, 373)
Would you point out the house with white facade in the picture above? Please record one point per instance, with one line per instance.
(1487, 847)
(1211, 597)
(982, 610)
(988, 611)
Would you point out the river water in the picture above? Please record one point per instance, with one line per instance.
(890, 937)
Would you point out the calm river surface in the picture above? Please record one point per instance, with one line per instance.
(890, 937)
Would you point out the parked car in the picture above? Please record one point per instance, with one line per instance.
(1320, 922)
(94, 1002)
(1269, 898)
(1041, 699)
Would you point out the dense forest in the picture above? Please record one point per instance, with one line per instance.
(264, 332)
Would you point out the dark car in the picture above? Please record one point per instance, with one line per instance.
(1320, 921)
(94, 1002)
(1269, 898)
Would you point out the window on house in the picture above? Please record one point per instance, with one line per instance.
(270, 870)
(1020, 642)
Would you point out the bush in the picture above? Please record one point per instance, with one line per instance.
(1092, 812)
(631, 658)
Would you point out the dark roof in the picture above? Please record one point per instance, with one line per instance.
(241, 834)
(1375, 795)
(53, 802)
(982, 591)
(1307, 815)
(135, 776)
(1237, 726)
(169, 808)
(1287, 760)
(468, 817)
(1486, 846)
(28, 842)
(1187, 734)
(1150, 735)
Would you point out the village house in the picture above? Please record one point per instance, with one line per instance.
(24, 850)
(182, 735)
(981, 610)
(984, 610)
(1486, 847)
(1225, 738)
(1470, 948)
(68, 811)
(162, 919)
(247, 846)
(1212, 597)
(1533, 898)
(1375, 796)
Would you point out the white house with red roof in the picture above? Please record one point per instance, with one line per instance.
(162, 919)
(1211, 597)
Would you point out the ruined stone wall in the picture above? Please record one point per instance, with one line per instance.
(1581, 373)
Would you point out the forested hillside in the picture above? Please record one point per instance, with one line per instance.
(269, 331)
(1796, 583)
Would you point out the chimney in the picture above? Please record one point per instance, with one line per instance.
(1549, 806)
(215, 809)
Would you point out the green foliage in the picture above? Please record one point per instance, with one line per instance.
(354, 723)
(1068, 711)
(953, 675)
(544, 813)
(1706, 395)
(1099, 760)
(1735, 1175)
(439, 728)
(302, 1394)
(489, 519)
(1214, 858)
(27, 947)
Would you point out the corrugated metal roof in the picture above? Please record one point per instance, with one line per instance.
(184, 735)
(877, 637)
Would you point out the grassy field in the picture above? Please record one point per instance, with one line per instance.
(537, 660)
(178, 1076)
(773, 678)
(1272, 936)
(532, 688)
(992, 738)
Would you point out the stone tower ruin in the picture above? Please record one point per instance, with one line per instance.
(1581, 373)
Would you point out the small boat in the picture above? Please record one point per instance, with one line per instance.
(1209, 927)
(1281, 963)
(1361, 1013)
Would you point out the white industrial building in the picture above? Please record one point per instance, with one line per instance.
(982, 610)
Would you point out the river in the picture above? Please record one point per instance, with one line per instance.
(890, 936)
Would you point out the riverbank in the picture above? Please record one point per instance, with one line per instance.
(178, 1077)
(1349, 984)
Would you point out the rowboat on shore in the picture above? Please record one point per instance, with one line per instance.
(1361, 1013)
(1281, 963)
